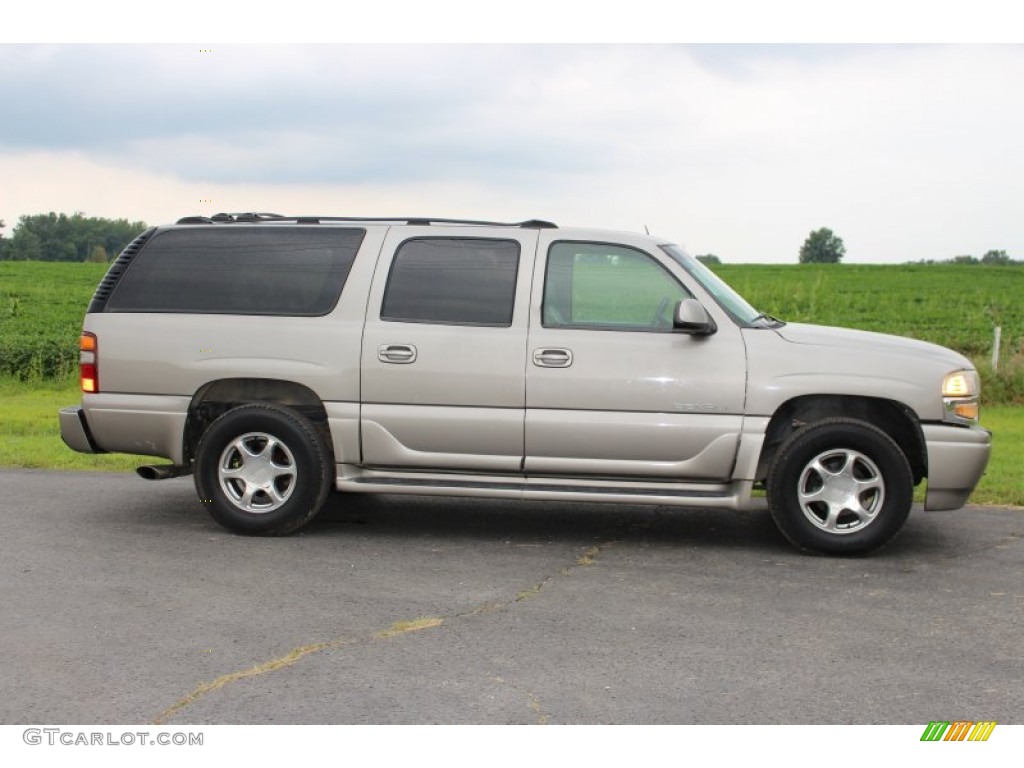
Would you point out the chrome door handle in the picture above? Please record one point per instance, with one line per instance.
(396, 353)
(552, 358)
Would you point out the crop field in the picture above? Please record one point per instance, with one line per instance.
(42, 304)
(955, 305)
(41, 310)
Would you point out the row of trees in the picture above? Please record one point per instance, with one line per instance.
(59, 237)
(823, 246)
(997, 258)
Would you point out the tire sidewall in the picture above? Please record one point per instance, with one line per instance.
(306, 447)
(815, 439)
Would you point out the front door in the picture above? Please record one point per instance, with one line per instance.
(611, 390)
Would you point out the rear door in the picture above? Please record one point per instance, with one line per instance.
(444, 345)
(611, 390)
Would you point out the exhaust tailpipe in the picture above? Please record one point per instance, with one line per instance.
(162, 471)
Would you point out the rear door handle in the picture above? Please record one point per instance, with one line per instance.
(547, 357)
(396, 353)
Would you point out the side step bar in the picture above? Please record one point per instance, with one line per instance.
(733, 495)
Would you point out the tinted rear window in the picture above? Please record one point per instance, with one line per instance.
(455, 281)
(239, 270)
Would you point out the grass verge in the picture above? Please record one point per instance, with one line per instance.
(30, 437)
(30, 433)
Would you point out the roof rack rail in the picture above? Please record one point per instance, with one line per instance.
(255, 218)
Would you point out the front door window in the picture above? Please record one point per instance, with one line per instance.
(607, 287)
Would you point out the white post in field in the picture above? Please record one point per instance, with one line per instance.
(995, 349)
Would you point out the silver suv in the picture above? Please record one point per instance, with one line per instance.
(276, 358)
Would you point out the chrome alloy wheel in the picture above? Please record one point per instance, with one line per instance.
(257, 472)
(841, 491)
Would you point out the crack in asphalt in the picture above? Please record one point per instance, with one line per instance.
(290, 658)
(587, 558)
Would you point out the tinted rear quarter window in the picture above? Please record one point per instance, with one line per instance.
(453, 281)
(255, 270)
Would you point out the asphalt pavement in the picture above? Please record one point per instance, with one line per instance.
(123, 603)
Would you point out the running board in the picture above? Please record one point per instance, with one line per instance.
(735, 495)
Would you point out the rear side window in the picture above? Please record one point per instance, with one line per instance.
(452, 281)
(242, 271)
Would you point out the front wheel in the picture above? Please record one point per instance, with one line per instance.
(262, 469)
(840, 486)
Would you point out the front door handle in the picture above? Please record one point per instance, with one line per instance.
(547, 357)
(396, 353)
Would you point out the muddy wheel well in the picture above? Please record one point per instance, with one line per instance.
(895, 419)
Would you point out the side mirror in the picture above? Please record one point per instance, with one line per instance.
(691, 317)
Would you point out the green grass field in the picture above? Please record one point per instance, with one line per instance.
(30, 435)
(954, 305)
(41, 310)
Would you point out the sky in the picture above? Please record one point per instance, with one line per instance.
(905, 151)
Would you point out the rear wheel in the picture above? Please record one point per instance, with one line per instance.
(840, 486)
(262, 469)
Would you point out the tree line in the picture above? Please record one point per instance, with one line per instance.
(997, 258)
(823, 246)
(59, 237)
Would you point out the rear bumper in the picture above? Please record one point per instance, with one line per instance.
(150, 425)
(957, 457)
(74, 430)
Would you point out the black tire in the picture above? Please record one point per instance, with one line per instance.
(263, 469)
(840, 486)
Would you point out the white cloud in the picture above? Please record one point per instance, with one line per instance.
(906, 152)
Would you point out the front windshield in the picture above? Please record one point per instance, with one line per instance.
(726, 297)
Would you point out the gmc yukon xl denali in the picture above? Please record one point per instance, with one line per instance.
(276, 358)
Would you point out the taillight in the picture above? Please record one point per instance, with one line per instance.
(88, 359)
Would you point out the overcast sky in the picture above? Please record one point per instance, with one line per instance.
(906, 152)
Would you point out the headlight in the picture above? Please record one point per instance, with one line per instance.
(961, 395)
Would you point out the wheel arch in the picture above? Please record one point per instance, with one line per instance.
(897, 420)
(217, 397)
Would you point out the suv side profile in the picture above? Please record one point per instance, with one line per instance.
(277, 358)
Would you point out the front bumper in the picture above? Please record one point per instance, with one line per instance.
(957, 457)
